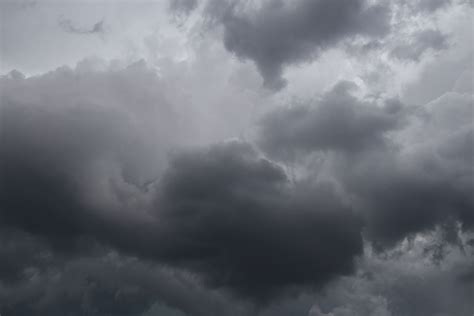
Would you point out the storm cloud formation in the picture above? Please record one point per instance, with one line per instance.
(211, 210)
(221, 202)
(158, 177)
(279, 34)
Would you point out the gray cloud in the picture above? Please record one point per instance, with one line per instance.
(246, 228)
(279, 34)
(425, 40)
(398, 283)
(424, 181)
(429, 5)
(74, 170)
(399, 187)
(99, 283)
(183, 6)
(68, 25)
(119, 195)
(338, 121)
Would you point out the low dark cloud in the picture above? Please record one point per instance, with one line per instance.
(278, 34)
(222, 213)
(100, 283)
(232, 218)
(245, 227)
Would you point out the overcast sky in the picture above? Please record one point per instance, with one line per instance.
(237, 158)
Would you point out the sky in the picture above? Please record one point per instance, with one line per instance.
(237, 158)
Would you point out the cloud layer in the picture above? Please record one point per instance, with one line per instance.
(159, 177)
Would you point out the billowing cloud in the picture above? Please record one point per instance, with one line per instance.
(338, 121)
(179, 185)
(245, 227)
(74, 169)
(407, 169)
(404, 281)
(278, 34)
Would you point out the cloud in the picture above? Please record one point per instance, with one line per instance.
(68, 26)
(337, 121)
(425, 40)
(279, 34)
(243, 225)
(79, 148)
(123, 191)
(75, 162)
(429, 5)
(406, 169)
(101, 283)
(424, 181)
(183, 6)
(403, 282)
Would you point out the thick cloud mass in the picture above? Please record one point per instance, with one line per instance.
(39, 281)
(178, 185)
(71, 173)
(246, 227)
(279, 34)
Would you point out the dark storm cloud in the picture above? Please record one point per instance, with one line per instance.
(68, 25)
(246, 228)
(224, 214)
(279, 34)
(59, 146)
(71, 172)
(425, 40)
(338, 121)
(71, 161)
(104, 283)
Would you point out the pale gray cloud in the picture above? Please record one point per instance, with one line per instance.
(68, 26)
(421, 42)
